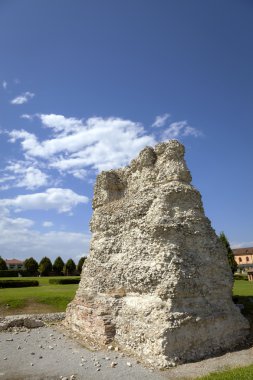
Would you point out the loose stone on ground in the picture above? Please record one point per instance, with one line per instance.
(85, 364)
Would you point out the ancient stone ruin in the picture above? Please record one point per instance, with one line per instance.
(157, 283)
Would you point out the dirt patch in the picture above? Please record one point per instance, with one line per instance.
(30, 308)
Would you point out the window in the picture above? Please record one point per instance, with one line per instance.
(240, 259)
(247, 259)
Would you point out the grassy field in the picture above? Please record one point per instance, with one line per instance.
(243, 288)
(43, 298)
(52, 298)
(245, 373)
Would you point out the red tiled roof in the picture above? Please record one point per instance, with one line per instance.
(13, 261)
(243, 251)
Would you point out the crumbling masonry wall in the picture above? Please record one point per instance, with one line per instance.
(157, 282)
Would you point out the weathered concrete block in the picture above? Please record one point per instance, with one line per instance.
(157, 281)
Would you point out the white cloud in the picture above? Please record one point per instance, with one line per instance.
(26, 175)
(6, 178)
(23, 98)
(62, 200)
(19, 240)
(79, 173)
(47, 224)
(97, 143)
(33, 178)
(160, 120)
(180, 129)
(27, 116)
(4, 84)
(77, 146)
(60, 123)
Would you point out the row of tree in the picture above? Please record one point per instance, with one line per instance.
(45, 266)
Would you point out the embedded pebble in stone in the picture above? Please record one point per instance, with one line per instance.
(9, 340)
(116, 349)
(50, 347)
(129, 364)
(32, 353)
(110, 348)
(19, 347)
(32, 364)
(113, 364)
(72, 377)
(5, 358)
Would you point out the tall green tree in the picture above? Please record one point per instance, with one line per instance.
(230, 255)
(45, 266)
(80, 264)
(69, 267)
(58, 265)
(3, 265)
(31, 265)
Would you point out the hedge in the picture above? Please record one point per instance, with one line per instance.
(64, 281)
(15, 273)
(240, 277)
(18, 283)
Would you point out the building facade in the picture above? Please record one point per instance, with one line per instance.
(14, 264)
(244, 258)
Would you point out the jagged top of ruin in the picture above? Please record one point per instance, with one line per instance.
(154, 166)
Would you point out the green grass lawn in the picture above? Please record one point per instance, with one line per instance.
(243, 288)
(244, 373)
(43, 298)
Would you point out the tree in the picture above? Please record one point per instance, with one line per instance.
(80, 264)
(230, 255)
(58, 265)
(69, 267)
(45, 266)
(31, 265)
(3, 265)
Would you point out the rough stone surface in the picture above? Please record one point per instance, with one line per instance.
(157, 283)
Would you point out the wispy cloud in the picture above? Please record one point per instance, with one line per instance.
(242, 244)
(180, 129)
(47, 224)
(77, 147)
(4, 84)
(96, 143)
(23, 98)
(27, 116)
(25, 174)
(62, 200)
(13, 231)
(160, 120)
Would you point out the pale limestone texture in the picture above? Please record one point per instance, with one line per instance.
(157, 283)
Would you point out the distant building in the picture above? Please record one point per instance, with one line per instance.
(14, 264)
(244, 258)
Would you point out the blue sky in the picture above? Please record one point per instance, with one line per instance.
(85, 85)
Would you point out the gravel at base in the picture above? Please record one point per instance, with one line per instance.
(46, 353)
